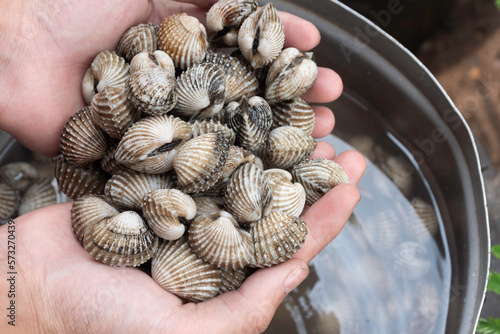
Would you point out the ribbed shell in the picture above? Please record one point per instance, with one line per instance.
(87, 211)
(225, 14)
(200, 91)
(240, 80)
(290, 76)
(295, 112)
(383, 230)
(248, 196)
(262, 36)
(75, 182)
(42, 165)
(152, 91)
(288, 146)
(208, 205)
(397, 170)
(200, 162)
(155, 59)
(121, 240)
(140, 38)
(288, 197)
(82, 141)
(219, 240)
(149, 146)
(19, 175)
(424, 225)
(209, 126)
(184, 39)
(109, 164)
(168, 212)
(177, 269)
(39, 194)
(113, 111)
(232, 279)
(126, 189)
(410, 260)
(276, 238)
(318, 176)
(365, 145)
(107, 70)
(9, 200)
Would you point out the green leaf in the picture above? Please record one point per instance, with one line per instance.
(497, 2)
(495, 250)
(494, 282)
(488, 326)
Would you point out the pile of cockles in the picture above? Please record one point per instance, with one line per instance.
(202, 156)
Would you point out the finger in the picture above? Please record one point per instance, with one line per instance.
(163, 9)
(205, 4)
(324, 151)
(327, 87)
(324, 121)
(354, 164)
(299, 33)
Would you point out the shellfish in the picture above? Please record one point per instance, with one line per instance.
(140, 38)
(19, 175)
(208, 205)
(288, 197)
(39, 194)
(208, 126)
(154, 59)
(288, 146)
(295, 112)
(232, 279)
(226, 16)
(9, 200)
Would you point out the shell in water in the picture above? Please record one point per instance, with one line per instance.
(113, 111)
(82, 141)
(150, 145)
(75, 182)
(227, 14)
(107, 70)
(288, 146)
(168, 212)
(177, 269)
(9, 200)
(219, 240)
(152, 90)
(19, 175)
(365, 145)
(208, 205)
(262, 36)
(87, 211)
(383, 230)
(422, 225)
(398, 171)
(295, 112)
(200, 91)
(318, 176)
(276, 238)
(200, 162)
(140, 38)
(288, 197)
(240, 80)
(184, 39)
(248, 196)
(121, 240)
(126, 189)
(209, 126)
(158, 58)
(410, 261)
(232, 279)
(39, 194)
(290, 76)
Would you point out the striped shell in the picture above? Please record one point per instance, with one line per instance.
(42, 165)
(262, 36)
(208, 205)
(209, 126)
(200, 91)
(184, 39)
(121, 240)
(232, 279)
(82, 141)
(126, 189)
(107, 70)
(168, 212)
(318, 176)
(19, 175)
(295, 112)
(140, 38)
(39, 194)
(150, 145)
(383, 230)
(108, 162)
(397, 170)
(410, 260)
(156, 59)
(422, 225)
(219, 240)
(365, 145)
(227, 14)
(290, 76)
(288, 197)
(9, 200)
(276, 238)
(177, 269)
(288, 146)
(200, 162)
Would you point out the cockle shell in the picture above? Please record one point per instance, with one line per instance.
(206, 205)
(9, 200)
(87, 211)
(383, 230)
(154, 59)
(365, 145)
(248, 195)
(240, 80)
(140, 38)
(107, 70)
(209, 126)
(410, 260)
(200, 162)
(42, 165)
(75, 182)
(126, 189)
(288, 197)
(276, 238)
(184, 39)
(82, 141)
(219, 240)
(290, 76)
(149, 146)
(318, 176)
(108, 162)
(262, 36)
(227, 14)
(167, 212)
(397, 170)
(287, 146)
(200, 91)
(295, 112)
(121, 240)
(39, 194)
(19, 175)
(423, 224)
(232, 279)
(177, 269)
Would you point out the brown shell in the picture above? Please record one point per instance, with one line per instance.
(397, 170)
(288, 197)
(108, 162)
(39, 194)
(208, 205)
(158, 58)
(423, 224)
(9, 200)
(232, 279)
(295, 112)
(226, 14)
(19, 175)
(288, 146)
(140, 38)
(209, 126)
(43, 165)
(365, 145)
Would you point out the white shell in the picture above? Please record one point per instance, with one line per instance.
(288, 197)
(39, 194)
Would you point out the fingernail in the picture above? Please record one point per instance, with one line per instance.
(294, 279)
